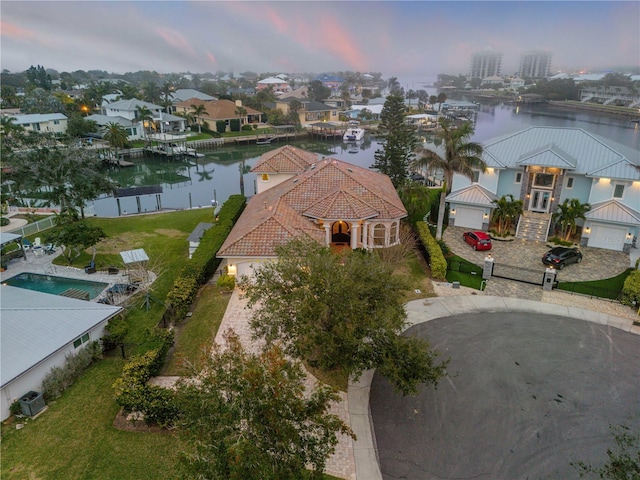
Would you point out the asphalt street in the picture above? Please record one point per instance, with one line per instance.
(526, 395)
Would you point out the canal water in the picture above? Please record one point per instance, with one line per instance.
(219, 174)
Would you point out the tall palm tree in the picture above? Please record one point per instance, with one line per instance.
(8, 124)
(569, 211)
(144, 114)
(460, 156)
(506, 210)
(198, 111)
(116, 135)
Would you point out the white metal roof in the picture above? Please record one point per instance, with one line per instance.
(474, 194)
(38, 118)
(134, 256)
(613, 211)
(9, 237)
(35, 325)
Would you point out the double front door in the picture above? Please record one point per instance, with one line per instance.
(540, 201)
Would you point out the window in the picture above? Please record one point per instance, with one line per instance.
(56, 122)
(265, 177)
(518, 177)
(618, 190)
(79, 341)
(476, 176)
(569, 182)
(543, 180)
(394, 233)
(378, 235)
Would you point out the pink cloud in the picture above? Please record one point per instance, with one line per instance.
(211, 58)
(18, 33)
(339, 41)
(175, 39)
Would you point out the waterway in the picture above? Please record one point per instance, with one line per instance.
(195, 183)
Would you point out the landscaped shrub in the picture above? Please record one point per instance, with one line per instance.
(436, 259)
(226, 281)
(560, 241)
(221, 126)
(247, 128)
(60, 378)
(234, 124)
(115, 333)
(4, 221)
(631, 289)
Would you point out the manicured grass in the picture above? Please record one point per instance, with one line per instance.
(464, 275)
(199, 331)
(607, 288)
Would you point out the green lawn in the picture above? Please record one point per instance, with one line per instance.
(607, 288)
(460, 270)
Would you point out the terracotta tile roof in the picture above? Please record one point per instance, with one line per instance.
(217, 109)
(328, 189)
(285, 159)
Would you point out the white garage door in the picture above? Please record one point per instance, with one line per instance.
(605, 236)
(468, 217)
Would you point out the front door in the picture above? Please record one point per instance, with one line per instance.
(540, 201)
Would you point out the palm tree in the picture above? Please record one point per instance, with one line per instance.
(507, 209)
(198, 111)
(116, 135)
(8, 124)
(241, 112)
(568, 212)
(144, 114)
(460, 156)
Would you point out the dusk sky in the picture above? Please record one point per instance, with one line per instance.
(403, 39)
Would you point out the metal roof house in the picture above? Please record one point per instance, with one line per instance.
(543, 166)
(39, 331)
(43, 122)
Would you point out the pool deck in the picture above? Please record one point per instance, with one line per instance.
(43, 264)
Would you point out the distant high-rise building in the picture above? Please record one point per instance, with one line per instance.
(535, 64)
(486, 64)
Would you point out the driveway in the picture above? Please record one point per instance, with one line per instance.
(596, 264)
(527, 394)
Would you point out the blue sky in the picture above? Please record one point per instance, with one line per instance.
(403, 39)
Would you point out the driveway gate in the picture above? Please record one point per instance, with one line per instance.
(518, 274)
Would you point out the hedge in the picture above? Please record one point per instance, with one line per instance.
(631, 289)
(204, 262)
(436, 259)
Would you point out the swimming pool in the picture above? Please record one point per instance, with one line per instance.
(55, 285)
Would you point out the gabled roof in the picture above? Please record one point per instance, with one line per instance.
(217, 109)
(328, 189)
(131, 105)
(309, 105)
(590, 152)
(104, 119)
(285, 159)
(613, 211)
(35, 325)
(549, 156)
(184, 94)
(38, 118)
(621, 169)
(474, 194)
(272, 80)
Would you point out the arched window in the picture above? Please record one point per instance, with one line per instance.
(393, 237)
(378, 235)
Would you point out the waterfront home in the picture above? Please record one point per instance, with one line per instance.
(302, 195)
(620, 96)
(278, 85)
(225, 110)
(310, 111)
(42, 122)
(543, 166)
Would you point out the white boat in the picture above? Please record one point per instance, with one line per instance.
(354, 133)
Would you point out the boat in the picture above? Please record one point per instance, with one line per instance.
(354, 133)
(264, 141)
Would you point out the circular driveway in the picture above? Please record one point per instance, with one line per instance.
(526, 395)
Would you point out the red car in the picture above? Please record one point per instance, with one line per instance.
(478, 240)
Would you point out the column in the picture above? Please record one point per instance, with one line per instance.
(354, 235)
(327, 234)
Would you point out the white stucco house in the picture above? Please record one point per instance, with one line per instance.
(302, 195)
(543, 166)
(42, 122)
(39, 330)
(127, 114)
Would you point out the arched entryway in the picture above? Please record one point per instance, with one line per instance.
(341, 233)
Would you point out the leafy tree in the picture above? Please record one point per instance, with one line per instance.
(623, 461)
(248, 416)
(569, 211)
(75, 237)
(341, 312)
(506, 211)
(318, 92)
(460, 156)
(294, 109)
(399, 141)
(198, 111)
(416, 199)
(78, 126)
(116, 135)
(38, 76)
(40, 100)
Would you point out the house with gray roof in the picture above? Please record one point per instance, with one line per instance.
(543, 166)
(184, 94)
(310, 111)
(302, 195)
(39, 330)
(43, 122)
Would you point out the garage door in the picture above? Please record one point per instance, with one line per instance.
(605, 236)
(467, 217)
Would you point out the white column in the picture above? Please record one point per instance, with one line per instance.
(354, 235)
(327, 234)
(365, 235)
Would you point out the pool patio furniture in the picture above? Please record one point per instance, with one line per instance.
(111, 270)
(91, 268)
(26, 244)
(49, 249)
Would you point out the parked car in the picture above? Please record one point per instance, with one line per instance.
(477, 240)
(559, 257)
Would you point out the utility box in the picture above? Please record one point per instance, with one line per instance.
(549, 279)
(31, 403)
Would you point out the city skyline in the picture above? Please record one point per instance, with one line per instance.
(403, 39)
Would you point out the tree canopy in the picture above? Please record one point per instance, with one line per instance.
(399, 141)
(339, 311)
(248, 416)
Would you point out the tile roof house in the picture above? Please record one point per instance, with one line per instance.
(543, 166)
(39, 330)
(328, 200)
(220, 110)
